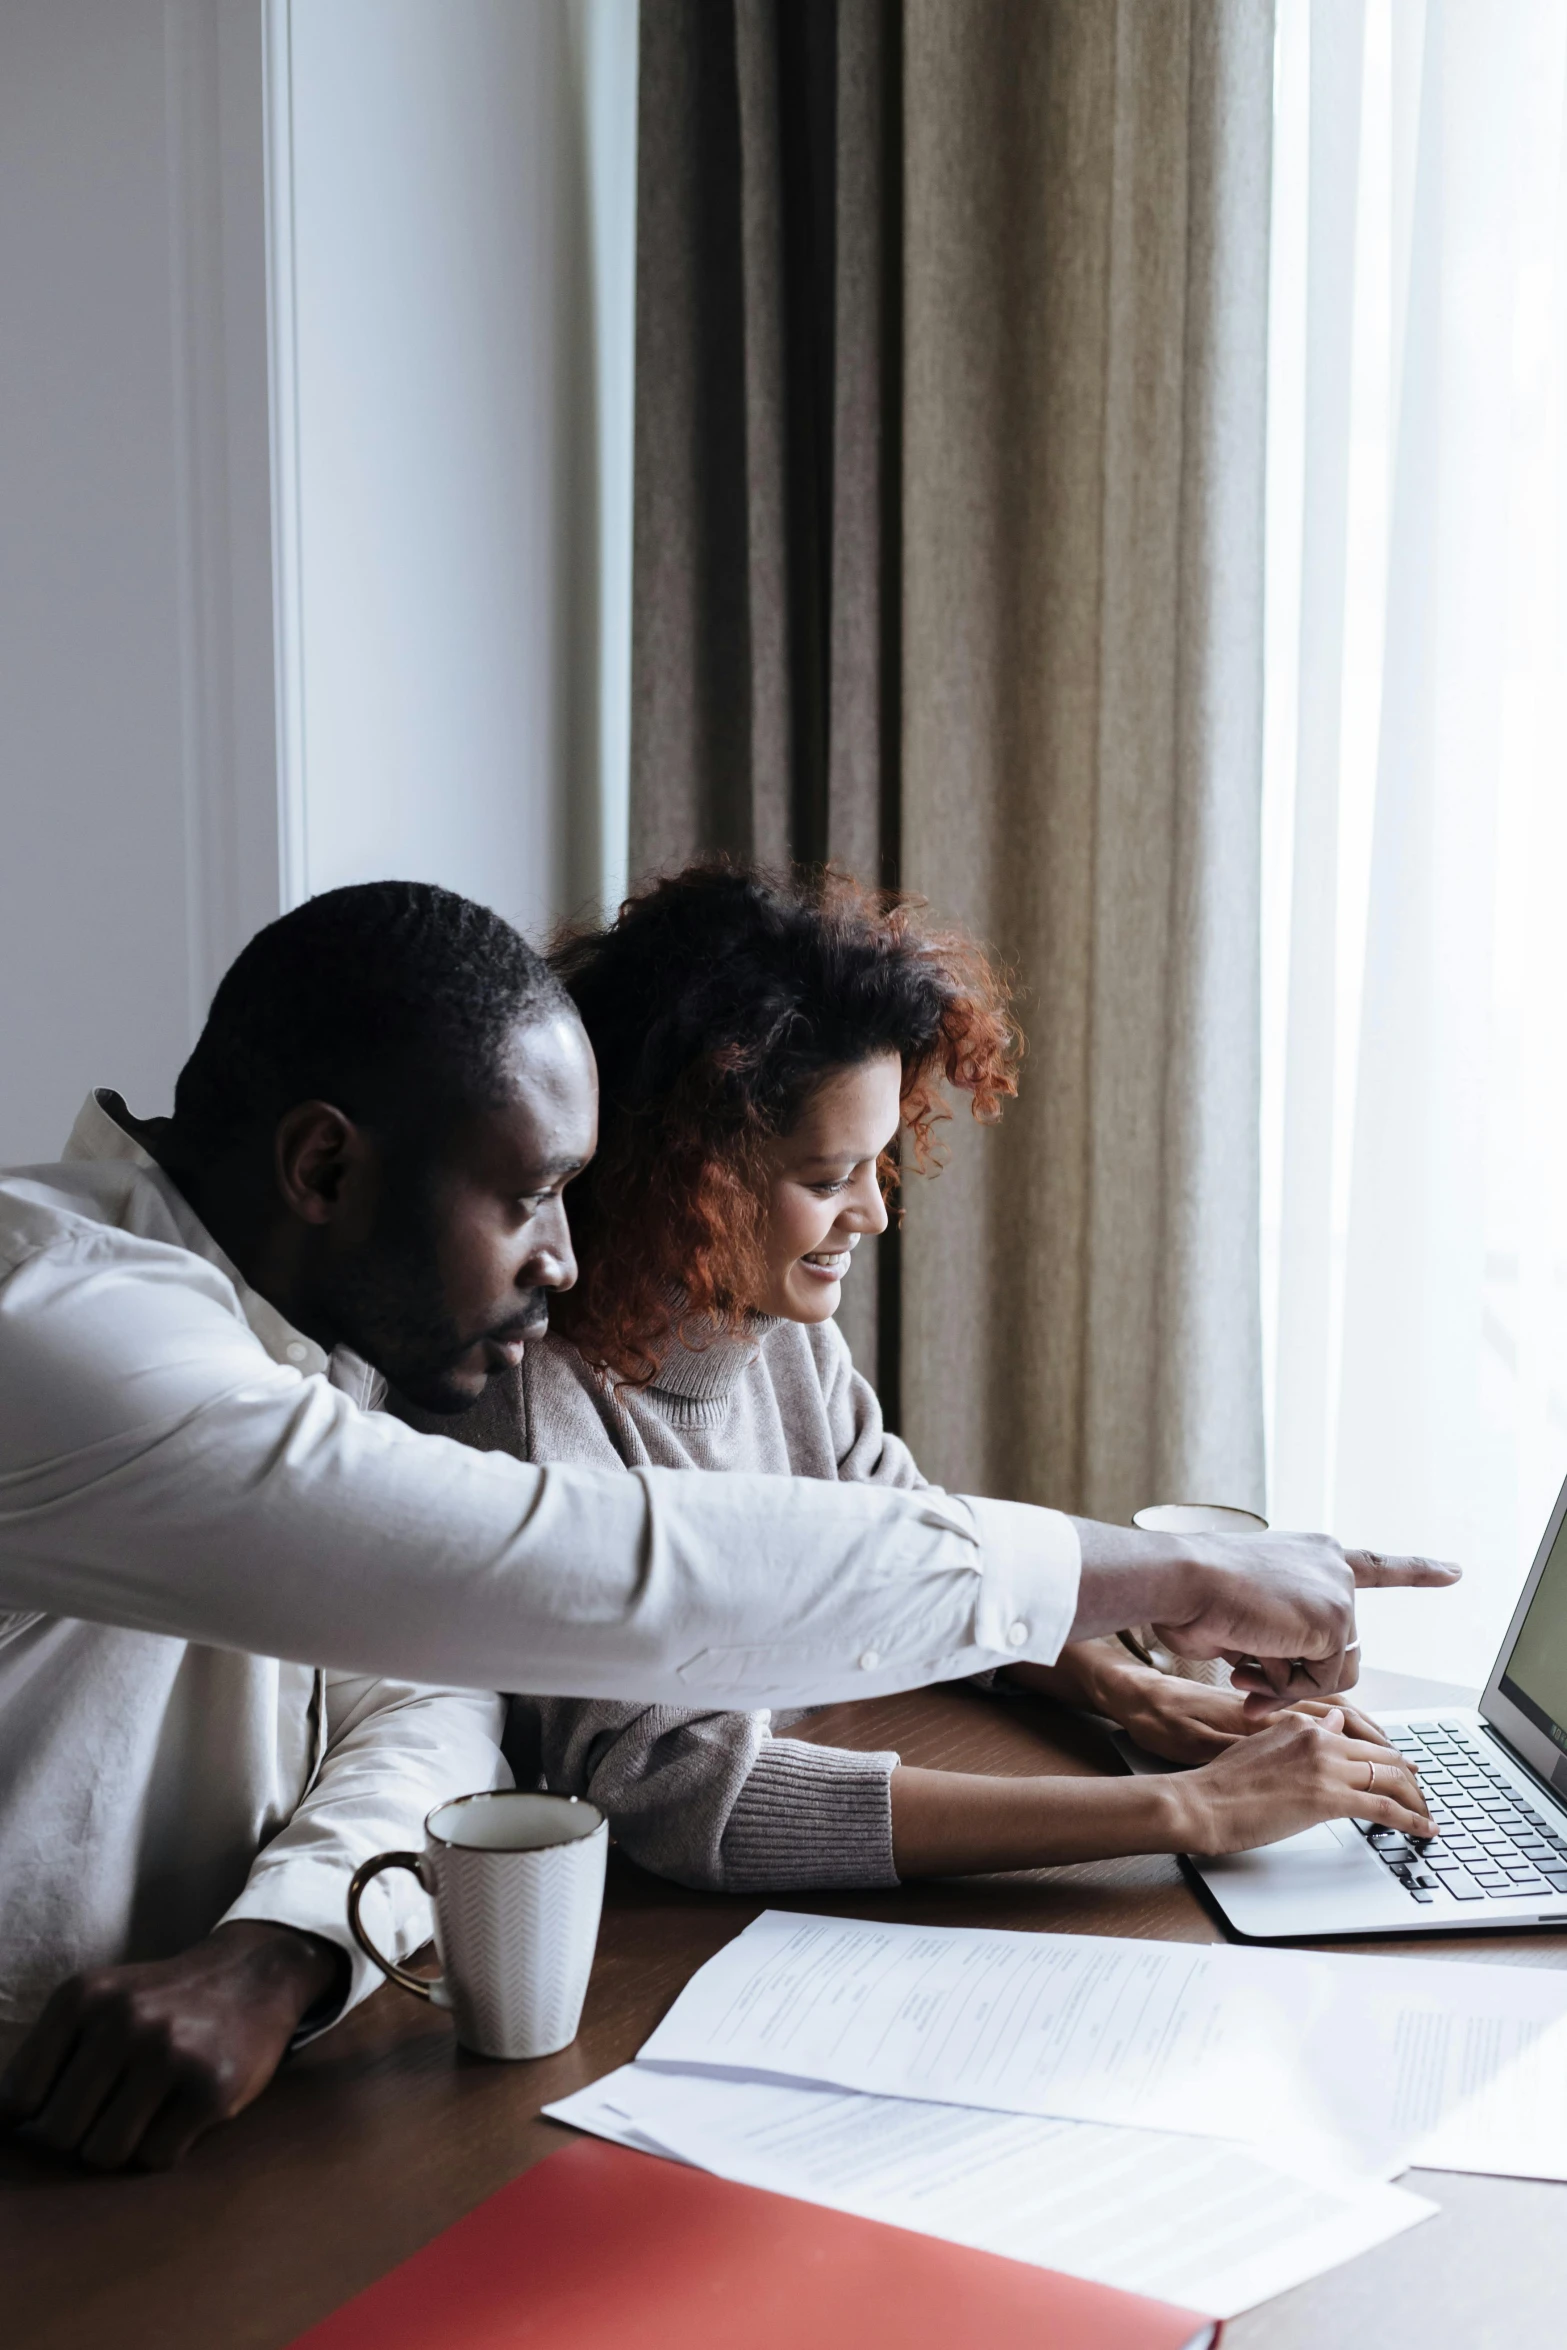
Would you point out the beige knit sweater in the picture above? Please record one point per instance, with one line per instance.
(711, 1799)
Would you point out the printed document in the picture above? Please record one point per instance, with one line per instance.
(1349, 2064)
(1477, 2055)
(1191, 2220)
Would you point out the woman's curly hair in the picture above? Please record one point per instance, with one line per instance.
(715, 1003)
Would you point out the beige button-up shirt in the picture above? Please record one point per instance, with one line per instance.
(152, 1787)
(179, 1464)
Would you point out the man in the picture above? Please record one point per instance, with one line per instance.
(363, 1180)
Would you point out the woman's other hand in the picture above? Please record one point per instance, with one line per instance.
(1180, 1721)
(1190, 1722)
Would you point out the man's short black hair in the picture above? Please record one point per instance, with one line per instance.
(392, 1000)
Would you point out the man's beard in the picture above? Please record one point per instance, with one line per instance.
(388, 1303)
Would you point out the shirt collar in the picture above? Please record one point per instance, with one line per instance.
(98, 1134)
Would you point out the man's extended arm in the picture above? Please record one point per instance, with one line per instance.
(158, 1470)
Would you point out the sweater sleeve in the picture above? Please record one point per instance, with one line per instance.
(714, 1800)
(867, 1452)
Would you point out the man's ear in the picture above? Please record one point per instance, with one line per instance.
(317, 1152)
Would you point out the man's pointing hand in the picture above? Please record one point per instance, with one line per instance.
(1305, 1579)
(1278, 1608)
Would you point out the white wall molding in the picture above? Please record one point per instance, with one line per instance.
(283, 386)
(604, 51)
(213, 68)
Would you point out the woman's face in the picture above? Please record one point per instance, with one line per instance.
(822, 1194)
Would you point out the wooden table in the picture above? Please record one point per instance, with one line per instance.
(382, 2132)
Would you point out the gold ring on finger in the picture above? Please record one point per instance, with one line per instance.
(1371, 1777)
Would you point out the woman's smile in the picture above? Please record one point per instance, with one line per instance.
(825, 1264)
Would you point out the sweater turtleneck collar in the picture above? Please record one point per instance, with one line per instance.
(702, 1376)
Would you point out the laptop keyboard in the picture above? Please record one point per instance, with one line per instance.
(1490, 1841)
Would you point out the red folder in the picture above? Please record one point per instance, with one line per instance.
(598, 2248)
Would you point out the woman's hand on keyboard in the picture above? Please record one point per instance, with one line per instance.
(1305, 1767)
(1301, 1769)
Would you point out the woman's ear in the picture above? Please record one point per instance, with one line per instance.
(317, 1154)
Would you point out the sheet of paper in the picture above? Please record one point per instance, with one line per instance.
(1478, 2055)
(1191, 2220)
(1186, 2036)
(1330, 2058)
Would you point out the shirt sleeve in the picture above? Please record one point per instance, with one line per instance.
(393, 1751)
(145, 1433)
(714, 1800)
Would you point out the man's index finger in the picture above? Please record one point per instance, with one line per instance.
(1377, 1569)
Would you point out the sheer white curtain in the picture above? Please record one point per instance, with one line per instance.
(1415, 887)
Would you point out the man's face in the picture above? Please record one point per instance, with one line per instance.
(454, 1272)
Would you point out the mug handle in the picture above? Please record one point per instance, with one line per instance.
(434, 1991)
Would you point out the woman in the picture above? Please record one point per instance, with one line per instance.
(764, 1048)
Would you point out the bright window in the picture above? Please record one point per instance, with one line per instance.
(1415, 822)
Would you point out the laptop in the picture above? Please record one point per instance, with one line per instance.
(1495, 1778)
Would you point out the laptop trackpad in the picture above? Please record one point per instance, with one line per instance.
(1330, 1837)
(1314, 1857)
(1326, 1880)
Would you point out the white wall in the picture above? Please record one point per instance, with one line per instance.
(138, 826)
(312, 584)
(460, 330)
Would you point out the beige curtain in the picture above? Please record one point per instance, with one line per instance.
(1061, 371)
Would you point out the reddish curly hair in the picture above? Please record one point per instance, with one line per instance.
(716, 1003)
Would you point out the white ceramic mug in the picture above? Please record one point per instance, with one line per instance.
(1196, 1517)
(517, 1884)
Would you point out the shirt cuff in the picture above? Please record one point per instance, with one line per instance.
(810, 1816)
(1033, 1562)
(312, 1897)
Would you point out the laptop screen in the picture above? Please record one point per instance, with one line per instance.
(1535, 1678)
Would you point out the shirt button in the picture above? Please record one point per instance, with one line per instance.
(1017, 1634)
(296, 1352)
(870, 1660)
